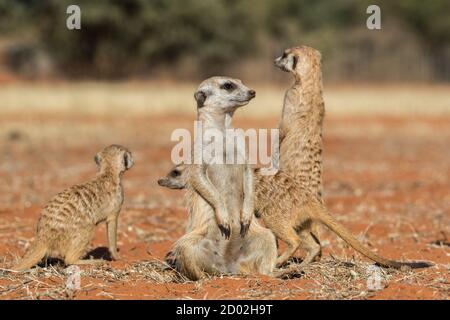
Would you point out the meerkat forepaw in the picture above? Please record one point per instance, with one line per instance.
(225, 230)
(171, 260)
(244, 228)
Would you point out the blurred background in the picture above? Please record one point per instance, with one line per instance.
(129, 75)
(192, 39)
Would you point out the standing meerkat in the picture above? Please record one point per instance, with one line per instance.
(288, 208)
(67, 223)
(302, 121)
(228, 188)
(221, 200)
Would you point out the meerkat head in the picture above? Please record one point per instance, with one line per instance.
(176, 178)
(298, 60)
(222, 94)
(114, 157)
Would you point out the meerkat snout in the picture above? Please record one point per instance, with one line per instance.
(176, 178)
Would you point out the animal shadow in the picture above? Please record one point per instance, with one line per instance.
(99, 253)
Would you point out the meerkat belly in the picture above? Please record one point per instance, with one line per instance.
(228, 179)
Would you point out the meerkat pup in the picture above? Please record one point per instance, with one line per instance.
(288, 208)
(221, 199)
(67, 223)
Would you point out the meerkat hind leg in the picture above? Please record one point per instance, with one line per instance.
(74, 256)
(309, 243)
(259, 251)
(312, 249)
(292, 239)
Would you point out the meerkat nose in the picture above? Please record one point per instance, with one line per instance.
(252, 93)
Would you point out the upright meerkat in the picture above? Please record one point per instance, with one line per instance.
(288, 208)
(228, 188)
(67, 223)
(302, 120)
(221, 200)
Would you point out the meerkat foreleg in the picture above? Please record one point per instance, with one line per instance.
(204, 187)
(248, 204)
(111, 226)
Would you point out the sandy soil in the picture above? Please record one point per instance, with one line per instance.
(386, 178)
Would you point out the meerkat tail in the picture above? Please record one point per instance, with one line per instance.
(324, 216)
(34, 255)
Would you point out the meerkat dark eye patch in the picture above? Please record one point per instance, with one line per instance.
(175, 173)
(229, 86)
(127, 160)
(294, 64)
(284, 55)
(97, 159)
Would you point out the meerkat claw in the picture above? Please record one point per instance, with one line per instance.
(244, 229)
(225, 230)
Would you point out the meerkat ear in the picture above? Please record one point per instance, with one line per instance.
(97, 159)
(128, 160)
(200, 97)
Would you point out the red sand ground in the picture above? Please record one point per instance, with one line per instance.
(386, 179)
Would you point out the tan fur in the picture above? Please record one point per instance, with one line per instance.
(67, 223)
(301, 121)
(288, 208)
(290, 202)
(221, 200)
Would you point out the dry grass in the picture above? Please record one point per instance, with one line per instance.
(49, 282)
(329, 279)
(157, 98)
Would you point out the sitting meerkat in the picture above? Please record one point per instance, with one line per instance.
(221, 199)
(287, 208)
(67, 223)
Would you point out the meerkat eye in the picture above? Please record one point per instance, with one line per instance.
(229, 86)
(175, 173)
(284, 55)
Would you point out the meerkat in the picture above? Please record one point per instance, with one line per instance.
(302, 121)
(67, 223)
(288, 208)
(221, 200)
(228, 188)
